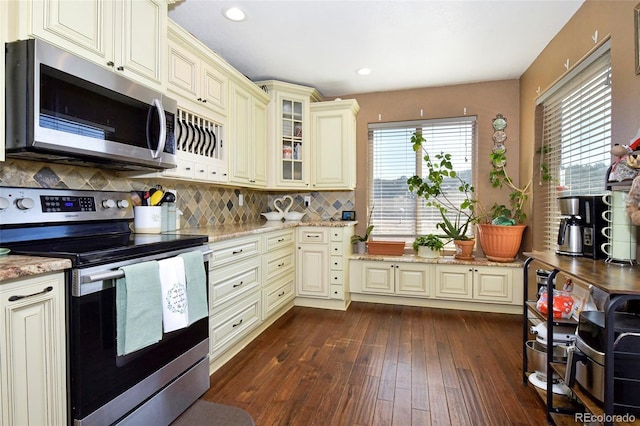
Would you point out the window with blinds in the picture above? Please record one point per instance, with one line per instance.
(576, 135)
(395, 212)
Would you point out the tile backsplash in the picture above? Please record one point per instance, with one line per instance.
(201, 204)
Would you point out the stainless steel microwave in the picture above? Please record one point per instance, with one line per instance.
(64, 109)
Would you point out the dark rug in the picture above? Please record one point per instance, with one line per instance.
(209, 413)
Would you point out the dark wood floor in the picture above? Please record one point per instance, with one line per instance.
(382, 365)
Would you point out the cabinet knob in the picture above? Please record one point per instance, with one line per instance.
(120, 68)
(110, 63)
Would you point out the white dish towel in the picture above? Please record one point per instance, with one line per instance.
(175, 308)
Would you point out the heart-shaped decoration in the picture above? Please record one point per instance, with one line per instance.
(276, 203)
(281, 206)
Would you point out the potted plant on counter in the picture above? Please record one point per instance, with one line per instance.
(458, 212)
(501, 233)
(360, 241)
(428, 246)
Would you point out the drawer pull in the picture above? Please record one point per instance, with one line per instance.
(238, 285)
(335, 249)
(235, 325)
(335, 263)
(313, 236)
(280, 265)
(15, 298)
(280, 240)
(236, 251)
(281, 294)
(335, 278)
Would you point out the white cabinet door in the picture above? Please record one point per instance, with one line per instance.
(312, 274)
(454, 282)
(128, 36)
(493, 284)
(414, 279)
(33, 351)
(378, 277)
(333, 140)
(259, 143)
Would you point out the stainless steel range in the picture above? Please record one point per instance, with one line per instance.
(92, 229)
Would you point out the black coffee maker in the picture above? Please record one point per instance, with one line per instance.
(591, 210)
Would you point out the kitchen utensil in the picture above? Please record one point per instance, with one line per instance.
(4, 251)
(136, 200)
(168, 197)
(155, 197)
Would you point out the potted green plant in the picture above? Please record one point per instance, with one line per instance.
(360, 241)
(428, 246)
(500, 233)
(457, 214)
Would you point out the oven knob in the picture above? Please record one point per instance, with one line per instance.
(108, 204)
(123, 204)
(25, 203)
(4, 203)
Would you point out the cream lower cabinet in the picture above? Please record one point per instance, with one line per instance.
(478, 283)
(33, 351)
(407, 279)
(322, 266)
(128, 36)
(235, 276)
(278, 267)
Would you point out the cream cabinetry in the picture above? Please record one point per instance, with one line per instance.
(248, 135)
(128, 36)
(478, 283)
(195, 74)
(333, 144)
(235, 276)
(289, 146)
(278, 266)
(409, 279)
(33, 351)
(322, 266)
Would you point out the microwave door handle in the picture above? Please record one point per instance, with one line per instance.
(162, 138)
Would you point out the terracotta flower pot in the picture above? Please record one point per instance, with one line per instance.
(500, 243)
(464, 249)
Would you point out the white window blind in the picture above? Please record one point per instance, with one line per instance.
(396, 212)
(576, 136)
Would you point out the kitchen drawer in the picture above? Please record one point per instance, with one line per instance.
(232, 324)
(336, 234)
(336, 277)
(337, 263)
(233, 281)
(337, 249)
(277, 263)
(277, 294)
(225, 252)
(313, 235)
(337, 292)
(277, 240)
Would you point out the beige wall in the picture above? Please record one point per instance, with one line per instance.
(614, 19)
(484, 100)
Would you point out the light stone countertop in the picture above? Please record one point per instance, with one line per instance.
(17, 266)
(442, 260)
(237, 230)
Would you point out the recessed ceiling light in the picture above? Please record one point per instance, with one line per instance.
(234, 14)
(363, 71)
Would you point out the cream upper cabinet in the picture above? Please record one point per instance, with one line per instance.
(195, 73)
(289, 143)
(247, 142)
(128, 36)
(333, 139)
(33, 351)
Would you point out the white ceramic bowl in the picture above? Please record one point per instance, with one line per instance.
(294, 216)
(273, 215)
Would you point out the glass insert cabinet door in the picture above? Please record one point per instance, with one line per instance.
(292, 141)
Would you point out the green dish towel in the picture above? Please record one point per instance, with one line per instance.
(138, 307)
(196, 285)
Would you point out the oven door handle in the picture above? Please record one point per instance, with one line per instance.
(119, 273)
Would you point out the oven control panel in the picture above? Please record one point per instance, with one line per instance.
(20, 206)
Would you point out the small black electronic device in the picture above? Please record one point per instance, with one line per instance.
(348, 215)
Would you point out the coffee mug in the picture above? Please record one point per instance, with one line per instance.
(607, 215)
(620, 251)
(607, 231)
(620, 233)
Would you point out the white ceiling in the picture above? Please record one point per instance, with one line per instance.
(407, 44)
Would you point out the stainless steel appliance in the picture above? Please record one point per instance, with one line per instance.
(591, 211)
(570, 229)
(586, 360)
(92, 229)
(61, 108)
